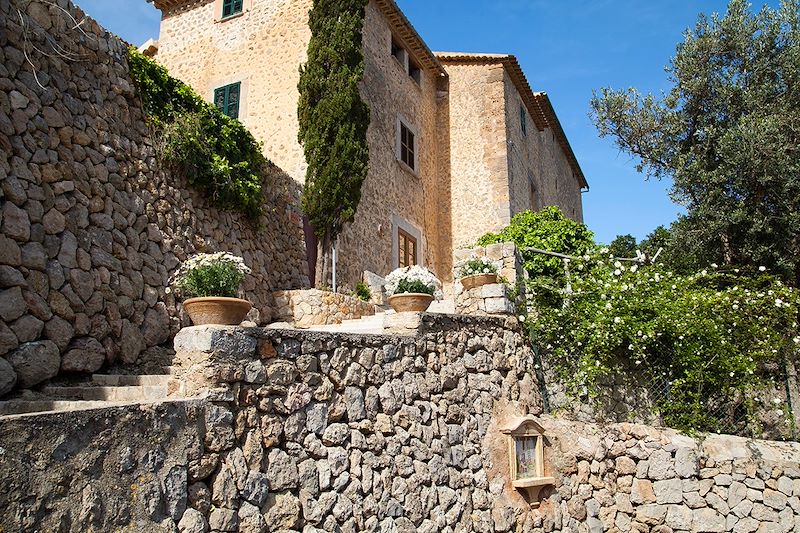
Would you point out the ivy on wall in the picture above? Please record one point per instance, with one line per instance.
(216, 153)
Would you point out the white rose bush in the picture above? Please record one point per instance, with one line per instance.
(216, 274)
(413, 279)
(710, 336)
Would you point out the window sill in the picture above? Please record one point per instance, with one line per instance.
(407, 169)
(230, 17)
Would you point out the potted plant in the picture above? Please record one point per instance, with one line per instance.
(478, 271)
(412, 289)
(211, 282)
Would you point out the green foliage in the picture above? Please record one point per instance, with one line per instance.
(333, 119)
(218, 155)
(216, 279)
(362, 291)
(414, 286)
(549, 230)
(623, 246)
(727, 134)
(709, 335)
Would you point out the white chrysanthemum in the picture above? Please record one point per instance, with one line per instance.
(414, 273)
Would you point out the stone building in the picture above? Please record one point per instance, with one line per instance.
(458, 143)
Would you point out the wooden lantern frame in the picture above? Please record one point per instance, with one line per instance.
(526, 427)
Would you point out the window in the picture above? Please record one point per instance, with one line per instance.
(406, 248)
(414, 71)
(231, 7)
(523, 120)
(408, 154)
(410, 66)
(227, 99)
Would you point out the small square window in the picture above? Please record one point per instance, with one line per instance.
(231, 7)
(227, 99)
(414, 71)
(407, 146)
(523, 120)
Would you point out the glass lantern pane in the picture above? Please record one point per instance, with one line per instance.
(527, 462)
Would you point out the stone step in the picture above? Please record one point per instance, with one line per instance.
(18, 407)
(117, 380)
(107, 393)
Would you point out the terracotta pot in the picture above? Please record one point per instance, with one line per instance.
(217, 310)
(414, 302)
(476, 280)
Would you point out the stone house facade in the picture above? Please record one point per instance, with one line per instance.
(458, 143)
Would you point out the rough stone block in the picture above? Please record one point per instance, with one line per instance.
(499, 306)
(221, 340)
(494, 290)
(402, 323)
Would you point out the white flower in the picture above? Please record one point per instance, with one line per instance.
(714, 265)
(776, 401)
(608, 305)
(657, 277)
(762, 268)
(617, 264)
(521, 318)
(617, 272)
(617, 320)
(634, 268)
(778, 302)
(411, 274)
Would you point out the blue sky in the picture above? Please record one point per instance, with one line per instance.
(567, 49)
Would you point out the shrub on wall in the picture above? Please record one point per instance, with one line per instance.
(216, 153)
(549, 230)
(706, 338)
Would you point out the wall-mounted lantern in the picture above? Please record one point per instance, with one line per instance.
(529, 473)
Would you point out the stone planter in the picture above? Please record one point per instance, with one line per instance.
(410, 302)
(477, 280)
(217, 310)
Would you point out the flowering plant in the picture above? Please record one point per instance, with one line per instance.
(709, 335)
(219, 274)
(479, 265)
(413, 279)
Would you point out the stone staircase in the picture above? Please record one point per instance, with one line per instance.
(104, 390)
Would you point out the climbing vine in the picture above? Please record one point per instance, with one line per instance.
(216, 153)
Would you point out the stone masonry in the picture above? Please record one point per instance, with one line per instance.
(91, 226)
(303, 431)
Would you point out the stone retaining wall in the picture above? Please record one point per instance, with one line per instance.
(314, 307)
(315, 432)
(114, 469)
(304, 431)
(91, 226)
(627, 477)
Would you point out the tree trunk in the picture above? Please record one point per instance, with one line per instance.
(323, 271)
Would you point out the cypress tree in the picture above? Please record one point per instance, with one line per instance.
(333, 121)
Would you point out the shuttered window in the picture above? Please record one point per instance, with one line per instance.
(407, 148)
(523, 120)
(227, 99)
(231, 7)
(407, 249)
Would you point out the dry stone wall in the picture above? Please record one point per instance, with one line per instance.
(314, 307)
(316, 432)
(115, 469)
(633, 478)
(91, 226)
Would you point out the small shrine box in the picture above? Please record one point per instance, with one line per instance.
(528, 471)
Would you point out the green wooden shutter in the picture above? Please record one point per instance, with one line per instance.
(523, 120)
(227, 99)
(231, 7)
